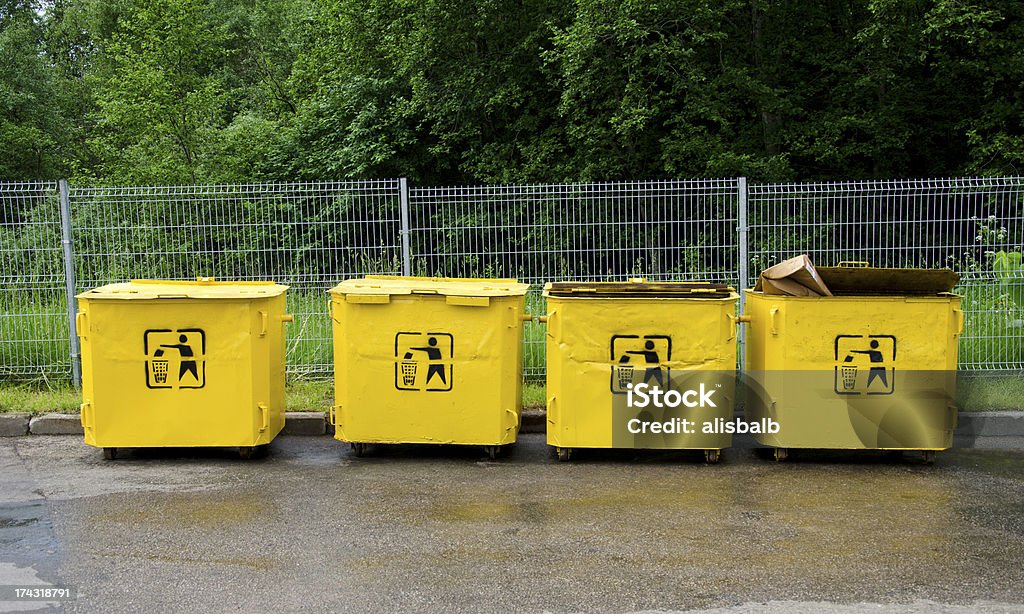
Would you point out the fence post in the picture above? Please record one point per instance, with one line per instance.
(744, 257)
(69, 280)
(403, 190)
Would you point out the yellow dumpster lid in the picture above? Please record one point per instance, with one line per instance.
(638, 288)
(446, 286)
(204, 288)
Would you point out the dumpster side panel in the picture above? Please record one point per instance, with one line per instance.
(88, 377)
(589, 338)
(854, 372)
(268, 365)
(169, 373)
(427, 369)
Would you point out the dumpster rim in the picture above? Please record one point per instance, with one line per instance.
(157, 289)
(397, 285)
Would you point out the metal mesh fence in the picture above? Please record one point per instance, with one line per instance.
(305, 235)
(974, 226)
(662, 230)
(33, 307)
(312, 235)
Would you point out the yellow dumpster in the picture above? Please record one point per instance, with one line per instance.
(428, 360)
(871, 367)
(640, 365)
(177, 363)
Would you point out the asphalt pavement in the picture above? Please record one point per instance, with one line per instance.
(308, 527)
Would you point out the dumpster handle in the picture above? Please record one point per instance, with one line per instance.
(264, 415)
(86, 423)
(80, 324)
(527, 317)
(959, 320)
(263, 323)
(330, 415)
(854, 264)
(772, 313)
(736, 321)
(552, 321)
(542, 319)
(288, 318)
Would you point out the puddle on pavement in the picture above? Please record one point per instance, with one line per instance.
(198, 509)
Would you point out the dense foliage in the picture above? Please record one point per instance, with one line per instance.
(184, 91)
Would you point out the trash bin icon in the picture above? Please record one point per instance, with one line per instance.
(160, 370)
(849, 374)
(182, 364)
(427, 360)
(625, 373)
(409, 372)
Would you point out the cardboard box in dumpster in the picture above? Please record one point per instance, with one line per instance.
(794, 277)
(869, 281)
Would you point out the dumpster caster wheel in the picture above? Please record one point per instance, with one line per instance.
(109, 453)
(712, 457)
(245, 452)
(358, 450)
(564, 454)
(928, 456)
(492, 451)
(781, 454)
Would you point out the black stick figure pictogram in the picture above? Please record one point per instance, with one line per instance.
(186, 352)
(650, 358)
(875, 356)
(433, 354)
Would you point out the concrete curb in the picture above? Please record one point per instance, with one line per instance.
(304, 423)
(991, 424)
(56, 424)
(14, 425)
(990, 430)
(533, 421)
(983, 430)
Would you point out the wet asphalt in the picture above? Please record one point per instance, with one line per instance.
(308, 527)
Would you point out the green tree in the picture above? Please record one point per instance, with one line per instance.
(161, 96)
(428, 90)
(32, 127)
(661, 90)
(977, 56)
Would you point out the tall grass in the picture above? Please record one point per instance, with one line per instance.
(34, 336)
(993, 336)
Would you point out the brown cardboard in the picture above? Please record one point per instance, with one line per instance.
(794, 277)
(847, 281)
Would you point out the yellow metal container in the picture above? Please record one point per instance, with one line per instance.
(854, 371)
(605, 339)
(428, 360)
(174, 363)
